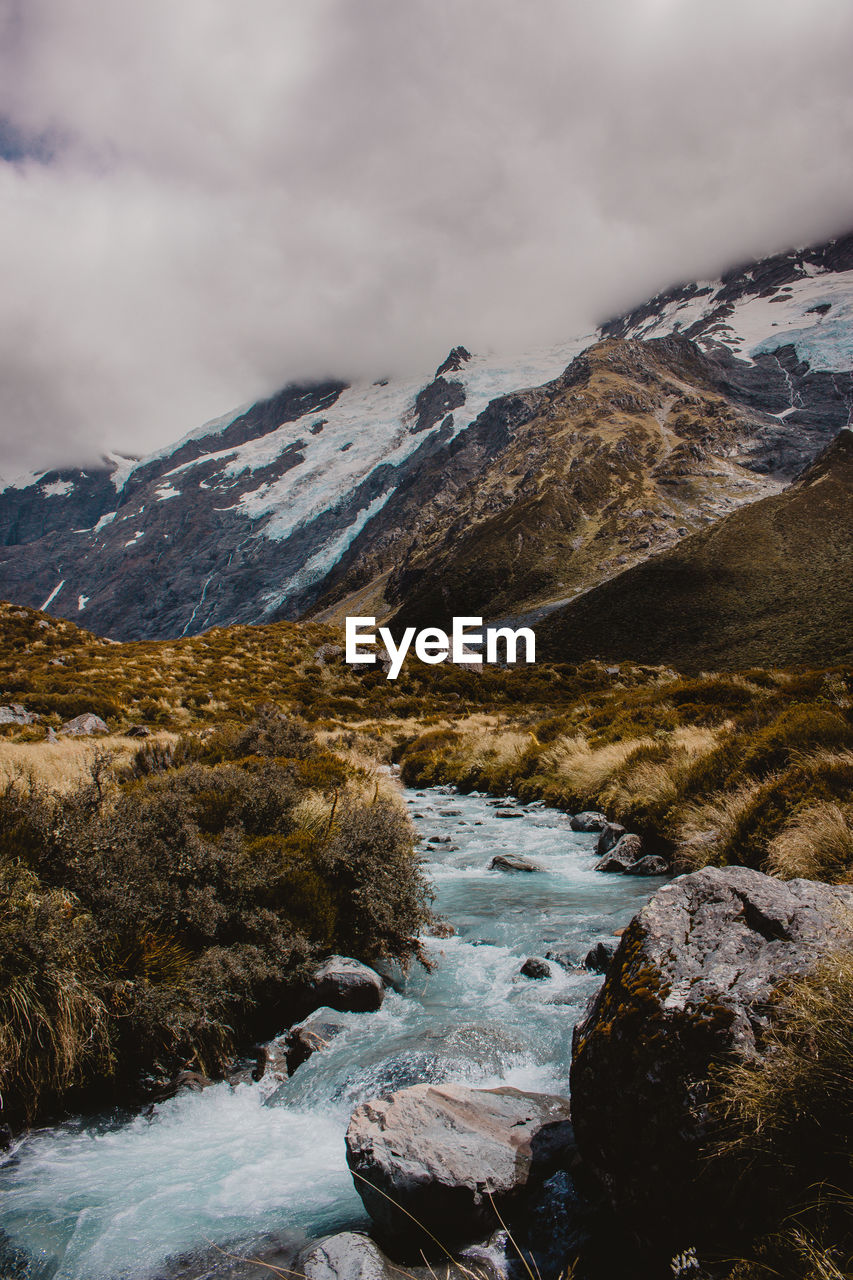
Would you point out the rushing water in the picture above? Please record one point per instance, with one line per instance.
(109, 1200)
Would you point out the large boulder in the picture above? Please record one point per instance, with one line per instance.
(447, 1156)
(16, 714)
(691, 985)
(347, 985)
(84, 726)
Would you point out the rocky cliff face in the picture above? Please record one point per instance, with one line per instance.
(489, 487)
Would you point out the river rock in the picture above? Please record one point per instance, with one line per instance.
(350, 1255)
(533, 967)
(611, 834)
(598, 958)
(449, 1155)
(623, 856)
(347, 985)
(84, 726)
(612, 863)
(508, 813)
(511, 862)
(650, 865)
(588, 821)
(692, 982)
(312, 1035)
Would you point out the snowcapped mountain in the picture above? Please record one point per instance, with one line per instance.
(487, 487)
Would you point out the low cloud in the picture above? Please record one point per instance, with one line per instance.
(202, 201)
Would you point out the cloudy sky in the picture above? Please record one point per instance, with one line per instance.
(201, 199)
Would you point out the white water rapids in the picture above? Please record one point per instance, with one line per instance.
(112, 1200)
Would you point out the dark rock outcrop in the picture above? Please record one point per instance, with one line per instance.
(448, 1156)
(535, 968)
(598, 958)
(691, 984)
(649, 865)
(624, 854)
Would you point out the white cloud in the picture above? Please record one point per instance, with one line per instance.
(244, 194)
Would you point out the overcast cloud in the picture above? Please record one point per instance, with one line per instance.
(204, 199)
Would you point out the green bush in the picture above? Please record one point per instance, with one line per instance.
(154, 924)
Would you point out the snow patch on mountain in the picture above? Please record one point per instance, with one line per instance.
(58, 488)
(814, 314)
(54, 593)
(316, 568)
(370, 425)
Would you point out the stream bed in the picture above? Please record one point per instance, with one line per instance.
(113, 1199)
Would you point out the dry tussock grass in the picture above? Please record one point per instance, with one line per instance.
(711, 824)
(816, 845)
(588, 768)
(655, 784)
(60, 766)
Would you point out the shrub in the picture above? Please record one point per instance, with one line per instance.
(153, 924)
(53, 1020)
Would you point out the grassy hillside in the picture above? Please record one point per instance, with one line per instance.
(772, 584)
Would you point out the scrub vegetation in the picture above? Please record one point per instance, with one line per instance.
(165, 911)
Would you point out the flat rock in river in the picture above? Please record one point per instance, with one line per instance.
(511, 862)
(449, 1155)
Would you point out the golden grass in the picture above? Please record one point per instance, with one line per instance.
(710, 825)
(817, 844)
(588, 768)
(62, 765)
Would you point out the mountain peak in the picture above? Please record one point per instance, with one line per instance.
(454, 362)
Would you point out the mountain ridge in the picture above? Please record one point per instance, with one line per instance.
(330, 496)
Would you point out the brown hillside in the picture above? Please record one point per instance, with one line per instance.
(772, 584)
